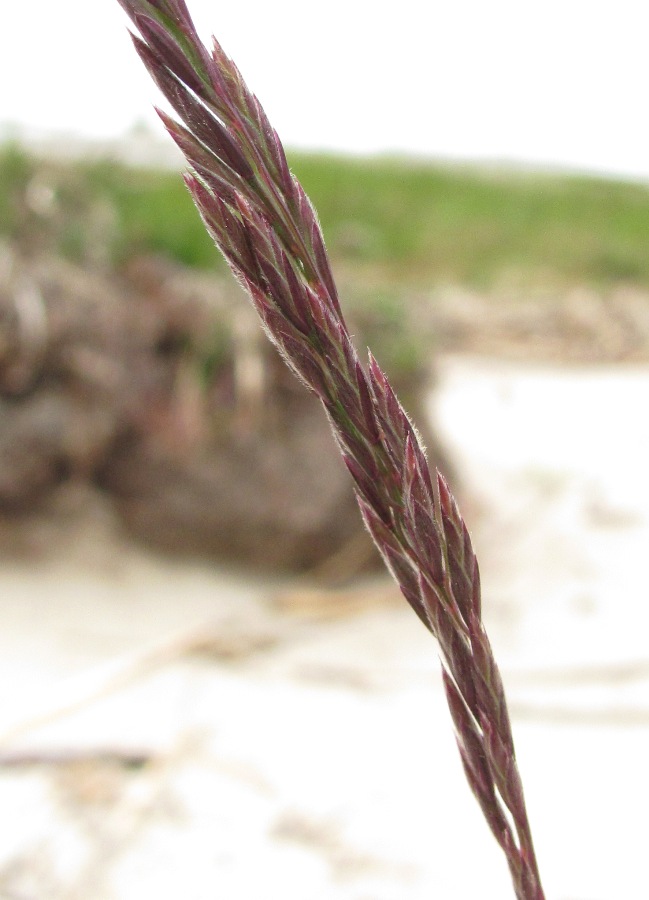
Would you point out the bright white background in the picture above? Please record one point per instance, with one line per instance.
(561, 83)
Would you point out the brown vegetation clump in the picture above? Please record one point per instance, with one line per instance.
(153, 385)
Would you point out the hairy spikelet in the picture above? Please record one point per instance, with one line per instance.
(266, 228)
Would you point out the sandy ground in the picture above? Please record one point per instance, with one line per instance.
(168, 730)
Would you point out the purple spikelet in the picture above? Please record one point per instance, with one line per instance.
(265, 226)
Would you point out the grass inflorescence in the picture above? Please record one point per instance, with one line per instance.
(261, 219)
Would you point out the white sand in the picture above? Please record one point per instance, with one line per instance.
(318, 761)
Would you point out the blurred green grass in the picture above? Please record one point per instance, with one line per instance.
(426, 223)
(410, 223)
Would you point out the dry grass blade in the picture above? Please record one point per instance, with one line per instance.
(265, 226)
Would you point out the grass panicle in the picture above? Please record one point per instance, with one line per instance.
(263, 223)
